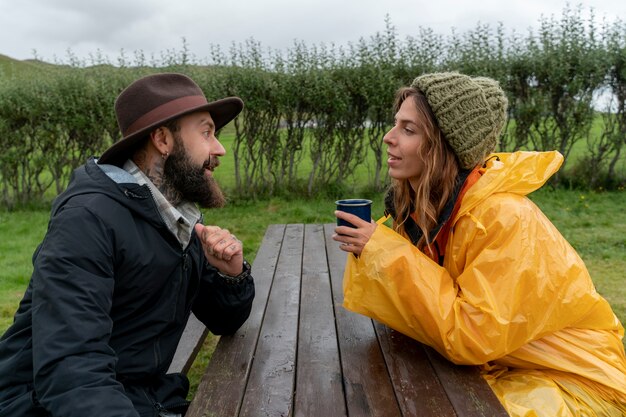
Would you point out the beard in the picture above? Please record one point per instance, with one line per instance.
(190, 180)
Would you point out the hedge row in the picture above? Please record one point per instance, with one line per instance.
(313, 113)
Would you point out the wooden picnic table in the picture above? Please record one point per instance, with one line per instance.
(302, 354)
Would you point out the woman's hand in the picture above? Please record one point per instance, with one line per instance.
(353, 239)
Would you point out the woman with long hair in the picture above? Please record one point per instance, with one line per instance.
(471, 267)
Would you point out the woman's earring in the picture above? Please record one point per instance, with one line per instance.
(164, 155)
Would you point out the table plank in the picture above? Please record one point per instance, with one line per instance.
(470, 395)
(270, 385)
(368, 389)
(221, 389)
(419, 392)
(319, 388)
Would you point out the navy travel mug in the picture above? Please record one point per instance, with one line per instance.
(359, 207)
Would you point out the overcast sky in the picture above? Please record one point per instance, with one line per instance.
(51, 27)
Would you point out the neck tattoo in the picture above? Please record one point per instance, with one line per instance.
(155, 174)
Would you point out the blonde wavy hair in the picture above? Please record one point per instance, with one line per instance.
(437, 179)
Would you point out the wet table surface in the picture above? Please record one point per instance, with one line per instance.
(302, 354)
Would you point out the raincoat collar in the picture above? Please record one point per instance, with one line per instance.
(518, 173)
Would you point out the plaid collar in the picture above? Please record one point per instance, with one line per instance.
(181, 219)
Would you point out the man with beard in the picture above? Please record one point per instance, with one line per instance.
(124, 262)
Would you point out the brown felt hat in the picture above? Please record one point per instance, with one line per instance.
(154, 100)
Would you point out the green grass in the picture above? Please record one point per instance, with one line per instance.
(10, 67)
(20, 233)
(225, 172)
(592, 222)
(364, 171)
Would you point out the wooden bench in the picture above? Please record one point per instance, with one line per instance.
(189, 345)
(302, 354)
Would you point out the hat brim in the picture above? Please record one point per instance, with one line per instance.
(222, 112)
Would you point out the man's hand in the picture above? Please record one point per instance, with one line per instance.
(221, 248)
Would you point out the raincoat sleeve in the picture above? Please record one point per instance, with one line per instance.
(509, 278)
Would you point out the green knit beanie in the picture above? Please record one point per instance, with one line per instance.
(470, 112)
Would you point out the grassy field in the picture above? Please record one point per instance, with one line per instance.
(592, 222)
(365, 170)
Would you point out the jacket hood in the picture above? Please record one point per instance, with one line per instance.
(113, 182)
(518, 173)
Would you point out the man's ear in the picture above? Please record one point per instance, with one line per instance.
(162, 140)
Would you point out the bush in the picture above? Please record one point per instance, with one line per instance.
(315, 115)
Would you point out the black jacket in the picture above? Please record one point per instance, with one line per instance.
(106, 305)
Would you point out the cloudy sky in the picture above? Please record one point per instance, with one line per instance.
(52, 27)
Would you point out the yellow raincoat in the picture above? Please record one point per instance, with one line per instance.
(512, 296)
